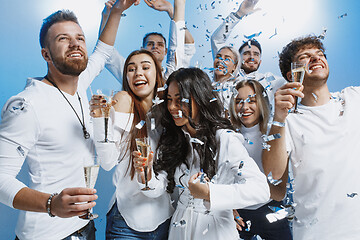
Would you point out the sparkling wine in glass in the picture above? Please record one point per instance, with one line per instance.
(107, 95)
(297, 75)
(91, 173)
(143, 146)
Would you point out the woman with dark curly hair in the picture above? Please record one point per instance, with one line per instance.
(205, 160)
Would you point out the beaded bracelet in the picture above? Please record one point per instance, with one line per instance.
(48, 204)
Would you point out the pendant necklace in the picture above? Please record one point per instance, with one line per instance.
(86, 133)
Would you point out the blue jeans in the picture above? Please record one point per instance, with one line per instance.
(116, 228)
(279, 230)
(85, 233)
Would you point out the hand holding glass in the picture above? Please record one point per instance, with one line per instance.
(91, 173)
(107, 95)
(143, 146)
(297, 75)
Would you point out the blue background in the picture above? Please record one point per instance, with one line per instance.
(20, 23)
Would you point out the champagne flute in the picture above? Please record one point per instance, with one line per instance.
(143, 146)
(297, 75)
(107, 95)
(91, 172)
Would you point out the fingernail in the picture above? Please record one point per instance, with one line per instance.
(143, 164)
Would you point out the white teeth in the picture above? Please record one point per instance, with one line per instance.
(316, 67)
(140, 82)
(75, 55)
(246, 114)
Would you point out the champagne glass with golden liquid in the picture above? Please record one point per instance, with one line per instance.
(108, 96)
(91, 173)
(143, 146)
(297, 75)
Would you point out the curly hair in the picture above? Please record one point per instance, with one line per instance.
(290, 50)
(173, 147)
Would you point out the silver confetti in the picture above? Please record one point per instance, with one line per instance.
(195, 140)
(272, 180)
(140, 124)
(20, 151)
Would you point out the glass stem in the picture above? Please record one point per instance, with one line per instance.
(106, 129)
(145, 175)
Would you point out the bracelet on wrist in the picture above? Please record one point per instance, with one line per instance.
(279, 124)
(48, 204)
(237, 16)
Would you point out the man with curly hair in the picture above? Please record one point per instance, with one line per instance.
(316, 141)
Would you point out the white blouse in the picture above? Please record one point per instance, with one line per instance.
(229, 189)
(140, 212)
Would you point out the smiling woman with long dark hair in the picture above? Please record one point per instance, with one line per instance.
(204, 160)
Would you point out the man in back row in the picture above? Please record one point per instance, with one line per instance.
(48, 124)
(322, 143)
(250, 51)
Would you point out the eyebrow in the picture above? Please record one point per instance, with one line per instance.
(66, 34)
(155, 42)
(145, 61)
(176, 95)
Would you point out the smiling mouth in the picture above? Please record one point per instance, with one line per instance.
(245, 115)
(140, 83)
(75, 55)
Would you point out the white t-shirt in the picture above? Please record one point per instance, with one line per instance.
(39, 125)
(324, 148)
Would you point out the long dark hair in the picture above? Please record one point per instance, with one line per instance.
(194, 85)
(138, 110)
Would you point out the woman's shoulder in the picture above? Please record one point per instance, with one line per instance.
(123, 102)
(222, 134)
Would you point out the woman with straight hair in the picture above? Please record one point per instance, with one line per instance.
(249, 113)
(132, 215)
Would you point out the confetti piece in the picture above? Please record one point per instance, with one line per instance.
(20, 151)
(273, 181)
(273, 34)
(195, 140)
(152, 123)
(181, 223)
(249, 37)
(271, 137)
(342, 16)
(352, 195)
(140, 124)
(160, 89)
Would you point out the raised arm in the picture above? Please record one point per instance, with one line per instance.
(109, 32)
(276, 160)
(222, 33)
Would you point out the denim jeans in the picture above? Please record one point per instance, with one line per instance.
(116, 228)
(279, 230)
(86, 233)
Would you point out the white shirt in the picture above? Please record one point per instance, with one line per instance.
(214, 219)
(39, 125)
(324, 149)
(141, 213)
(177, 48)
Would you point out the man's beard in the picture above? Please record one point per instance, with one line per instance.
(248, 70)
(70, 67)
